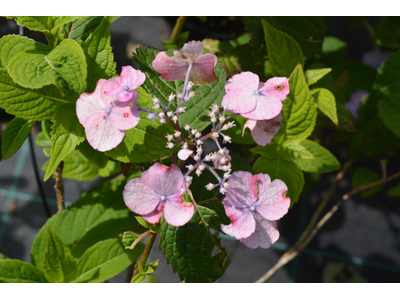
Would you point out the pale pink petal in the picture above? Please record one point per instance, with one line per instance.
(105, 86)
(277, 87)
(163, 180)
(203, 73)
(241, 91)
(170, 68)
(264, 131)
(154, 216)
(139, 197)
(184, 154)
(89, 104)
(273, 203)
(125, 117)
(192, 50)
(177, 214)
(265, 234)
(243, 223)
(267, 107)
(241, 192)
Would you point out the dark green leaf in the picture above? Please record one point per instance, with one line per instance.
(334, 50)
(363, 176)
(99, 158)
(395, 192)
(15, 135)
(389, 111)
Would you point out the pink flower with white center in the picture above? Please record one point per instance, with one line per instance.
(263, 131)
(157, 190)
(255, 100)
(131, 79)
(254, 203)
(104, 118)
(191, 57)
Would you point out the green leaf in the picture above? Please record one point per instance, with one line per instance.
(105, 260)
(283, 51)
(84, 27)
(286, 171)
(58, 263)
(144, 279)
(42, 140)
(64, 66)
(144, 142)
(182, 38)
(292, 150)
(78, 167)
(99, 158)
(2, 256)
(389, 111)
(334, 50)
(395, 192)
(43, 24)
(98, 215)
(28, 104)
(312, 76)
(189, 249)
(387, 32)
(363, 176)
(128, 238)
(15, 135)
(326, 102)
(66, 134)
(324, 161)
(16, 271)
(98, 52)
(345, 118)
(298, 112)
(197, 107)
(11, 45)
(110, 169)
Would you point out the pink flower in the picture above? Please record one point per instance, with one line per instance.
(176, 67)
(131, 79)
(263, 131)
(159, 187)
(375, 58)
(254, 203)
(105, 119)
(252, 99)
(355, 101)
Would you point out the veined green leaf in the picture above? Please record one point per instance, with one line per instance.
(42, 23)
(326, 102)
(313, 75)
(15, 135)
(16, 271)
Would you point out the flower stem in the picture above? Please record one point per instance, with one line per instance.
(146, 252)
(177, 28)
(59, 187)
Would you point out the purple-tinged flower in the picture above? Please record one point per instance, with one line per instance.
(157, 190)
(355, 101)
(375, 58)
(104, 118)
(254, 203)
(131, 79)
(176, 67)
(263, 131)
(255, 100)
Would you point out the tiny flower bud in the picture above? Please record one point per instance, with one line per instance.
(177, 134)
(174, 119)
(189, 179)
(163, 121)
(199, 142)
(189, 85)
(199, 150)
(171, 97)
(183, 190)
(227, 139)
(170, 145)
(169, 137)
(222, 119)
(156, 100)
(185, 145)
(213, 119)
(181, 109)
(215, 108)
(170, 114)
(197, 135)
(210, 186)
(187, 127)
(227, 175)
(222, 191)
(198, 172)
(161, 115)
(197, 157)
(191, 94)
(190, 167)
(194, 131)
(157, 106)
(214, 135)
(202, 167)
(226, 185)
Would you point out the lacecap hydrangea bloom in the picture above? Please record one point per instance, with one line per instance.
(190, 59)
(254, 203)
(104, 117)
(158, 191)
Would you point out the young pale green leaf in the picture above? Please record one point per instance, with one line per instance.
(15, 135)
(144, 142)
(324, 161)
(42, 140)
(326, 102)
(284, 52)
(99, 158)
(28, 104)
(100, 59)
(64, 66)
(389, 111)
(16, 271)
(99, 214)
(197, 107)
(286, 171)
(395, 192)
(292, 150)
(363, 176)
(298, 112)
(44, 24)
(58, 263)
(313, 75)
(11, 45)
(66, 134)
(139, 278)
(334, 50)
(189, 249)
(128, 238)
(105, 260)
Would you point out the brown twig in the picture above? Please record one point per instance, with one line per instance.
(59, 187)
(294, 251)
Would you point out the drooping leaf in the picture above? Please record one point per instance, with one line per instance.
(363, 176)
(66, 134)
(105, 260)
(286, 171)
(313, 75)
(58, 263)
(326, 102)
(15, 135)
(389, 111)
(98, 52)
(189, 249)
(283, 51)
(16, 271)
(64, 66)
(324, 160)
(98, 215)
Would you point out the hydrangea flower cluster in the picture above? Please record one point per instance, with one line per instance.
(253, 203)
